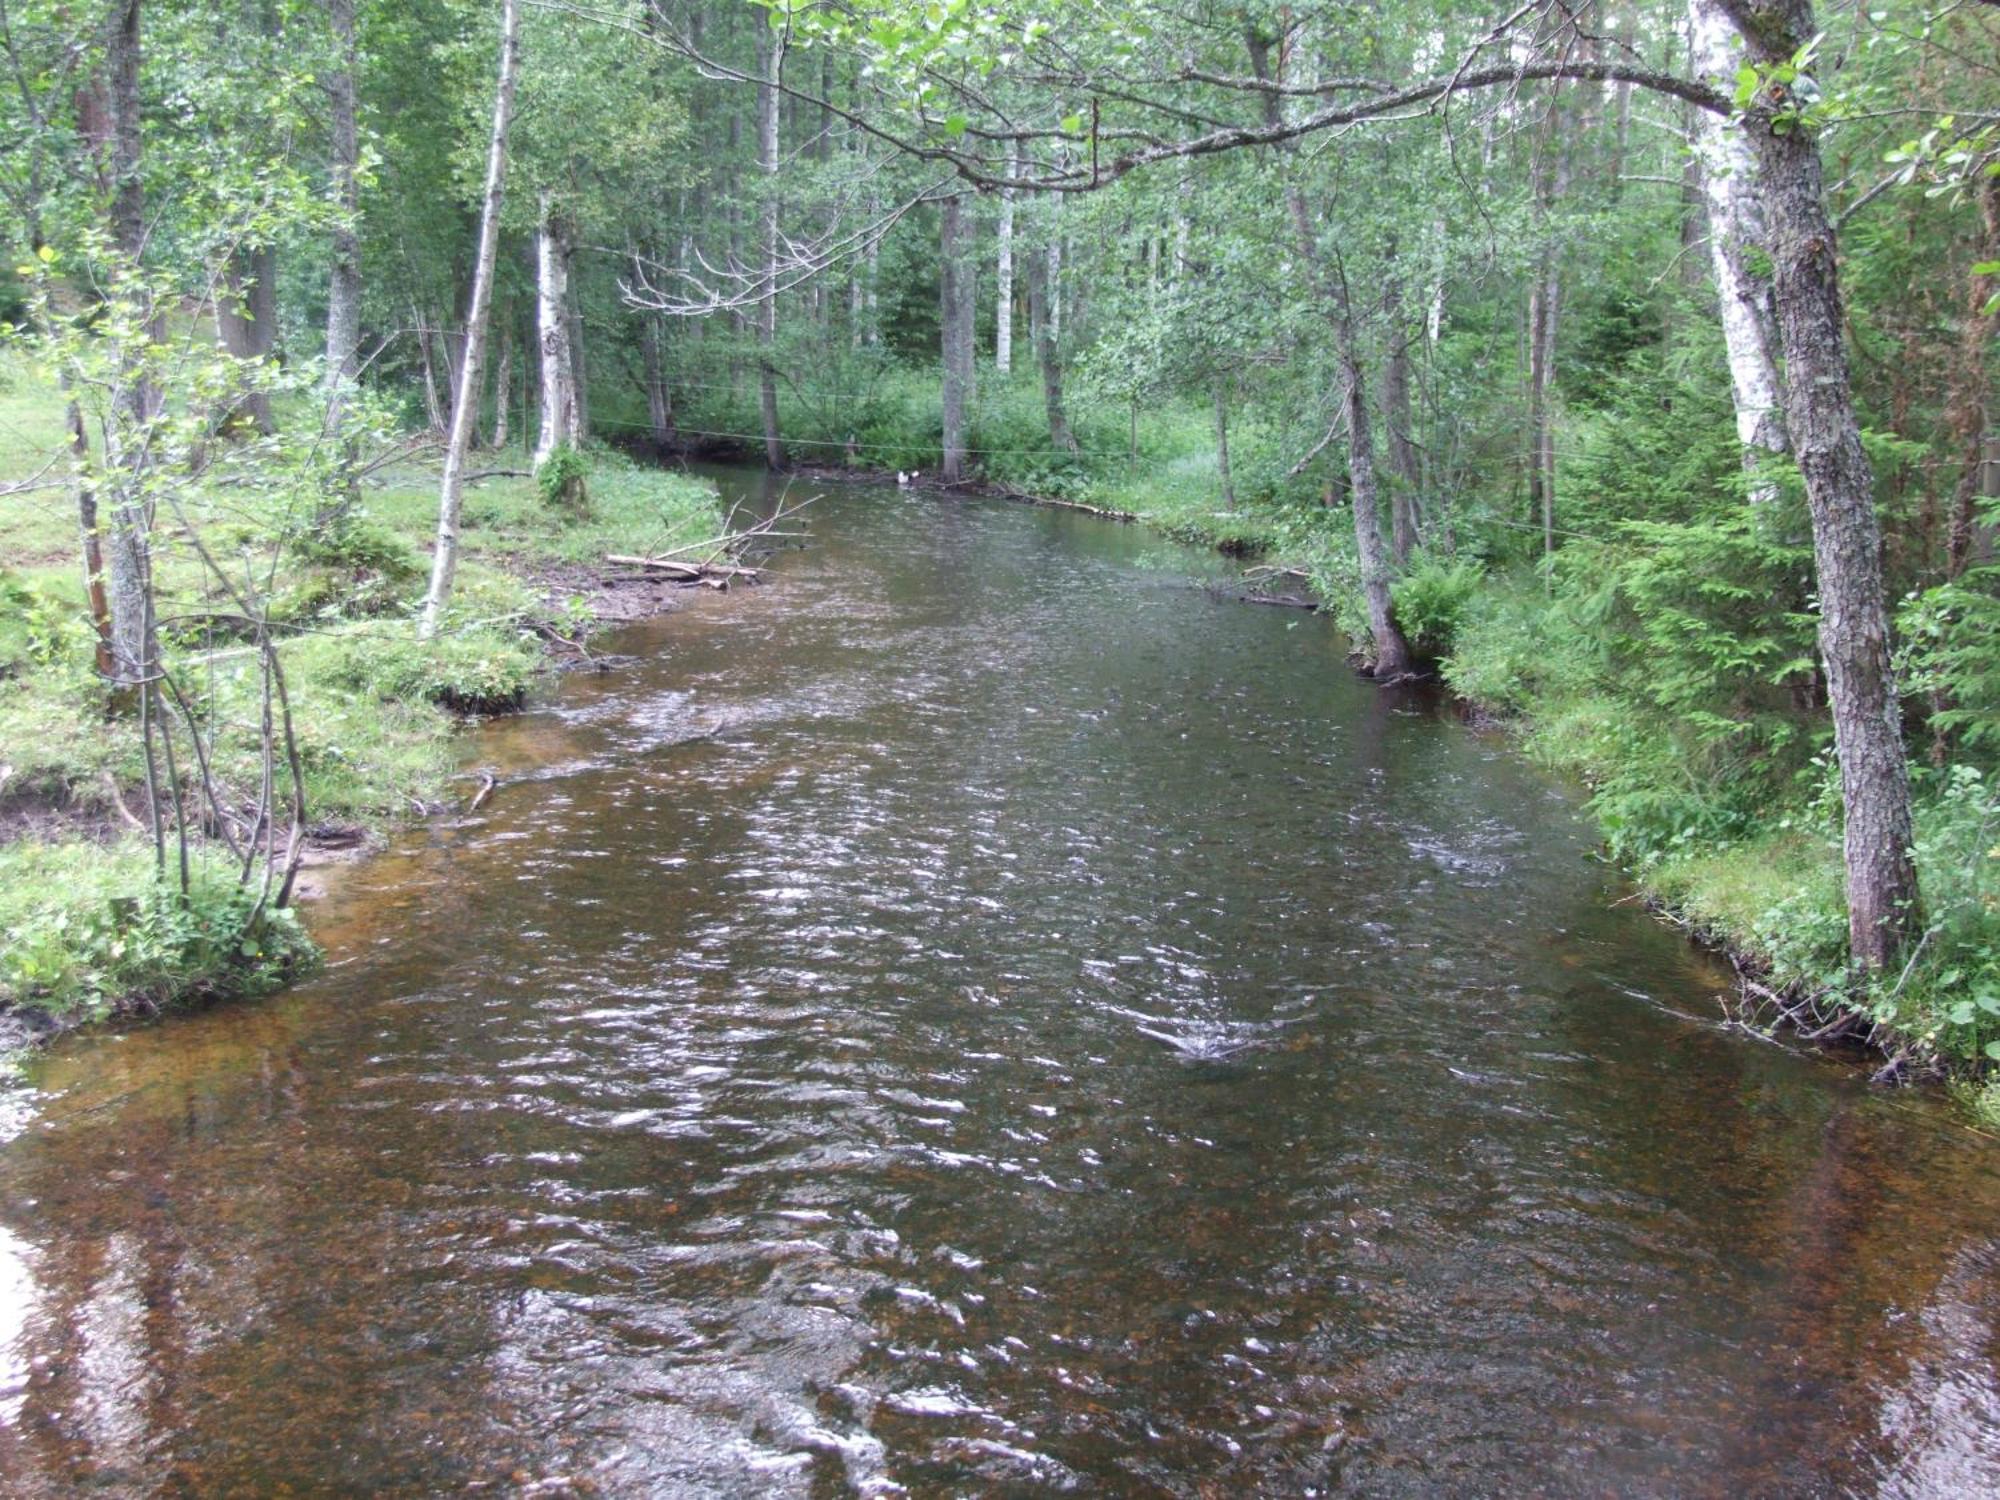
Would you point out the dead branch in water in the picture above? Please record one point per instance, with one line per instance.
(689, 572)
(718, 567)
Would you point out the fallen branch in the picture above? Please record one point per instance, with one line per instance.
(690, 572)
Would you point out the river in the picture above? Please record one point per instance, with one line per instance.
(985, 1016)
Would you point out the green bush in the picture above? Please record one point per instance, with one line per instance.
(89, 930)
(476, 669)
(563, 480)
(1950, 660)
(1431, 601)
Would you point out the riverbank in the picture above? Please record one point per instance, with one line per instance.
(91, 929)
(1761, 887)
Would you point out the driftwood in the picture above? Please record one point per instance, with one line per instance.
(1051, 503)
(690, 572)
(720, 566)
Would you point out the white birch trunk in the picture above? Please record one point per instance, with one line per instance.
(561, 419)
(1003, 313)
(1738, 247)
(465, 409)
(767, 307)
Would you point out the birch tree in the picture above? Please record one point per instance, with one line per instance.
(465, 408)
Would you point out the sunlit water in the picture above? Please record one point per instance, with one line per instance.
(984, 1016)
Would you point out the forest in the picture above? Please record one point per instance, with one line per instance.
(817, 747)
(1624, 367)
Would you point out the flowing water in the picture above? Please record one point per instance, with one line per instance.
(984, 1016)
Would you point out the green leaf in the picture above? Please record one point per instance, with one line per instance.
(1072, 123)
(1986, 268)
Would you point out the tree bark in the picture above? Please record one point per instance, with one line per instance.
(127, 556)
(561, 418)
(1967, 410)
(1392, 656)
(659, 396)
(343, 298)
(1047, 353)
(767, 307)
(246, 313)
(1545, 322)
(955, 318)
(579, 353)
(503, 385)
(93, 546)
(465, 409)
(1737, 249)
(1882, 897)
(1392, 653)
(1003, 311)
(1220, 391)
(1404, 462)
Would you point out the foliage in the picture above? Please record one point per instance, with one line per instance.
(91, 930)
(562, 480)
(1951, 659)
(1432, 599)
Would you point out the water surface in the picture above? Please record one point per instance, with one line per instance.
(986, 1017)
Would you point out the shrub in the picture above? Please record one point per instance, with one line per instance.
(1950, 656)
(563, 480)
(88, 929)
(1431, 602)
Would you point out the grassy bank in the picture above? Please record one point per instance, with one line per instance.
(92, 924)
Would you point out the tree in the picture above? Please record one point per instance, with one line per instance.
(1882, 904)
(465, 409)
(1737, 247)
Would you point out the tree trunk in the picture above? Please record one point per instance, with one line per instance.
(1047, 354)
(245, 310)
(1392, 652)
(1544, 314)
(579, 361)
(561, 420)
(1392, 657)
(465, 410)
(1003, 311)
(1052, 313)
(1882, 898)
(343, 299)
(1404, 462)
(1220, 391)
(955, 317)
(1967, 411)
(767, 307)
(659, 396)
(503, 384)
(1737, 249)
(1545, 321)
(127, 556)
(93, 546)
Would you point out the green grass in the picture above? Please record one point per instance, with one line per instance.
(376, 710)
(91, 928)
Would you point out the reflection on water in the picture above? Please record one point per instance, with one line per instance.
(982, 1017)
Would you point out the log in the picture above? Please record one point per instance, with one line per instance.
(692, 572)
